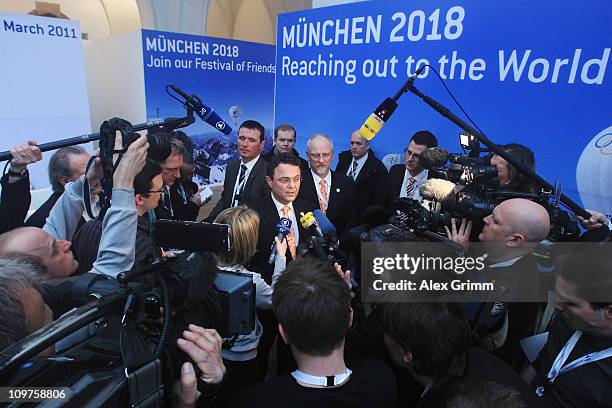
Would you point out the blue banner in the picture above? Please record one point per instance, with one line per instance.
(235, 78)
(534, 73)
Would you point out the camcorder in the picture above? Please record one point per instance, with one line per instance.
(118, 343)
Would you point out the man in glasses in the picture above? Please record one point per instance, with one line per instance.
(332, 191)
(245, 179)
(405, 180)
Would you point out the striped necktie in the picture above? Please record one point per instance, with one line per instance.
(240, 187)
(323, 196)
(286, 210)
(354, 170)
(410, 187)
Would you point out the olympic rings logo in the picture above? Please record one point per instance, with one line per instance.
(604, 144)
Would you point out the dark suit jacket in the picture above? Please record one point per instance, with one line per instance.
(341, 198)
(371, 184)
(268, 218)
(255, 188)
(39, 217)
(14, 203)
(396, 178)
(183, 211)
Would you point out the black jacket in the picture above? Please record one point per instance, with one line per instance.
(268, 218)
(371, 186)
(341, 200)
(184, 209)
(39, 217)
(303, 163)
(396, 179)
(255, 188)
(14, 203)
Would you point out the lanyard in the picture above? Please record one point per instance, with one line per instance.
(558, 367)
(326, 381)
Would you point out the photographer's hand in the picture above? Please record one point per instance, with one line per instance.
(597, 220)
(196, 199)
(23, 155)
(203, 346)
(185, 389)
(346, 276)
(131, 163)
(460, 235)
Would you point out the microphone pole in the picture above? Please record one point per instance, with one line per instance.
(171, 123)
(444, 111)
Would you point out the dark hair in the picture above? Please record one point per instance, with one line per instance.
(284, 127)
(480, 394)
(313, 304)
(424, 137)
(142, 181)
(282, 158)
(13, 323)
(525, 157)
(253, 124)
(437, 334)
(59, 165)
(187, 144)
(588, 270)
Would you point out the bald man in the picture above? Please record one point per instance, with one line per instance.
(511, 233)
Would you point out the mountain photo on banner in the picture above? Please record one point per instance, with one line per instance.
(235, 78)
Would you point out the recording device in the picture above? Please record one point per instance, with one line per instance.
(192, 236)
(283, 228)
(130, 357)
(323, 241)
(205, 112)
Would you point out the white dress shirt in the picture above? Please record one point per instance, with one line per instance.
(317, 181)
(360, 163)
(249, 166)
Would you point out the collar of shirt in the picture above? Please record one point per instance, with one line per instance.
(360, 163)
(419, 179)
(318, 179)
(292, 217)
(250, 164)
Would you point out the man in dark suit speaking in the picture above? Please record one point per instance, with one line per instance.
(284, 179)
(245, 179)
(333, 191)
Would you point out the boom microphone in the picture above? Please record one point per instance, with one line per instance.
(381, 115)
(438, 190)
(282, 230)
(205, 112)
(433, 157)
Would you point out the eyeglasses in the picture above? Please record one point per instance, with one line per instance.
(409, 153)
(155, 191)
(320, 156)
(287, 180)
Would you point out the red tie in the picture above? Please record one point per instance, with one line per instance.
(410, 187)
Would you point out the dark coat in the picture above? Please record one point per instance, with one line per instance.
(396, 179)
(39, 217)
(183, 210)
(341, 200)
(268, 218)
(255, 188)
(303, 163)
(14, 203)
(371, 186)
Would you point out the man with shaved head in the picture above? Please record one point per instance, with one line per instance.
(511, 233)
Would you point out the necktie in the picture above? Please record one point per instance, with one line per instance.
(291, 236)
(410, 187)
(323, 196)
(240, 187)
(167, 203)
(354, 170)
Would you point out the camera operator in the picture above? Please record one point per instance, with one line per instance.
(242, 358)
(15, 197)
(406, 179)
(513, 224)
(510, 179)
(148, 186)
(52, 243)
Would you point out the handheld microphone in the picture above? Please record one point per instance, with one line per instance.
(327, 228)
(309, 222)
(282, 230)
(433, 157)
(205, 112)
(375, 122)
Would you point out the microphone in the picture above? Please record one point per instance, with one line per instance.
(282, 230)
(309, 222)
(205, 112)
(439, 190)
(327, 228)
(375, 122)
(433, 157)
